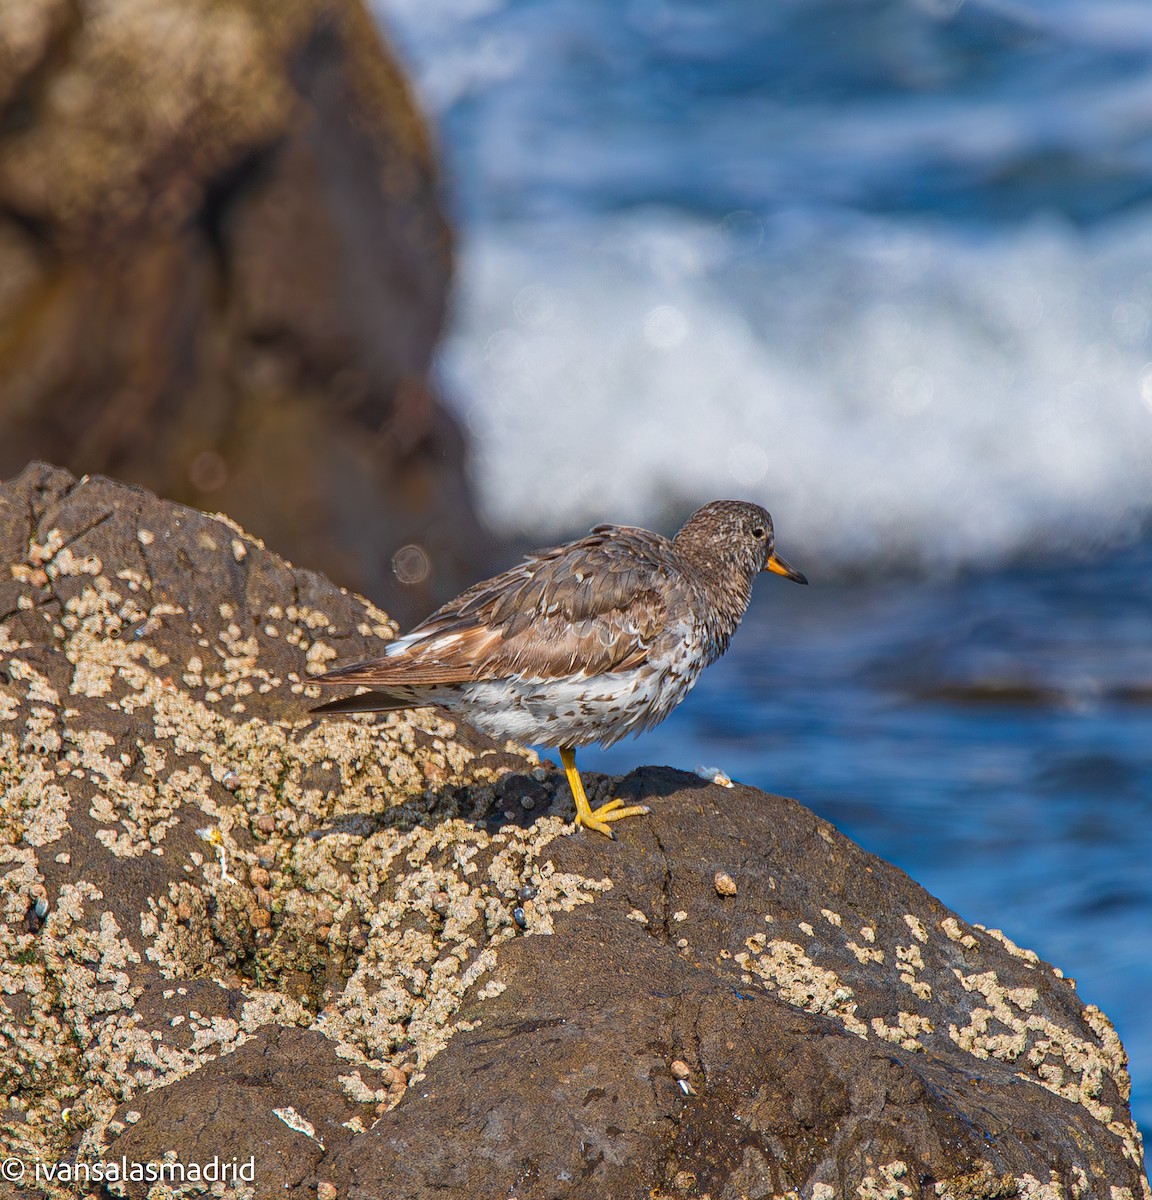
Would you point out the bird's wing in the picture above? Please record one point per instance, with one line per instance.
(588, 607)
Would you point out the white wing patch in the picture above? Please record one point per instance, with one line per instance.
(402, 645)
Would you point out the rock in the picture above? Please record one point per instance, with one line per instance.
(260, 1093)
(827, 1030)
(223, 270)
(849, 1036)
(162, 651)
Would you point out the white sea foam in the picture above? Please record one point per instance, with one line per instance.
(886, 386)
(883, 388)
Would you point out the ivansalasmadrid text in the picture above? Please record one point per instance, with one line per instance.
(215, 1170)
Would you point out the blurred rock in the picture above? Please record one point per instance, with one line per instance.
(229, 930)
(223, 270)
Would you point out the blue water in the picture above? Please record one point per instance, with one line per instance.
(886, 267)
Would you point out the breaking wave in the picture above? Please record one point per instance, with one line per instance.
(882, 387)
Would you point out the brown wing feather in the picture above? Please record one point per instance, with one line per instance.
(593, 606)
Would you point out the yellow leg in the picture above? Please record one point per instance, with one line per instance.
(598, 819)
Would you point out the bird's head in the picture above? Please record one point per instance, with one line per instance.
(735, 530)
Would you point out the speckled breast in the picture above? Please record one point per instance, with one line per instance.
(578, 710)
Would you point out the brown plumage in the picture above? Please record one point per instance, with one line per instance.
(583, 642)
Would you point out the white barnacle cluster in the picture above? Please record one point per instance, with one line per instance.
(786, 970)
(464, 882)
(869, 951)
(906, 1031)
(890, 1181)
(789, 970)
(1006, 1026)
(223, 911)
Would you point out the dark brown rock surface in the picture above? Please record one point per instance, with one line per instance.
(223, 271)
(229, 931)
(844, 1034)
(185, 856)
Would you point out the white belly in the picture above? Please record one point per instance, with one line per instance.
(574, 711)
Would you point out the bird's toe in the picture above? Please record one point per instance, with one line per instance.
(614, 810)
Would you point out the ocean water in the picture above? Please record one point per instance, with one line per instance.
(886, 267)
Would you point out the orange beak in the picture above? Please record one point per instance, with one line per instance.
(778, 566)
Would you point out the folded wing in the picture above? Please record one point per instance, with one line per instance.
(587, 608)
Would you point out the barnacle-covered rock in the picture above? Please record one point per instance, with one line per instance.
(186, 855)
(367, 956)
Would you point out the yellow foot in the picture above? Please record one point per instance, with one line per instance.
(614, 810)
(601, 818)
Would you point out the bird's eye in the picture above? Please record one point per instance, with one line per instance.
(758, 531)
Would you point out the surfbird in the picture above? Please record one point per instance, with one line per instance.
(580, 643)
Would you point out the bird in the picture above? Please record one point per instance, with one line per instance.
(579, 643)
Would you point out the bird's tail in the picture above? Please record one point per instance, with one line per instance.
(367, 702)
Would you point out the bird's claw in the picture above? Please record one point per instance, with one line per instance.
(614, 810)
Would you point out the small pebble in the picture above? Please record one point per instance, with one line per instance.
(681, 943)
(527, 803)
(323, 932)
(680, 1069)
(684, 1181)
(440, 902)
(325, 1190)
(724, 883)
(231, 781)
(325, 916)
(183, 912)
(266, 823)
(259, 877)
(528, 892)
(357, 940)
(261, 919)
(263, 897)
(519, 917)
